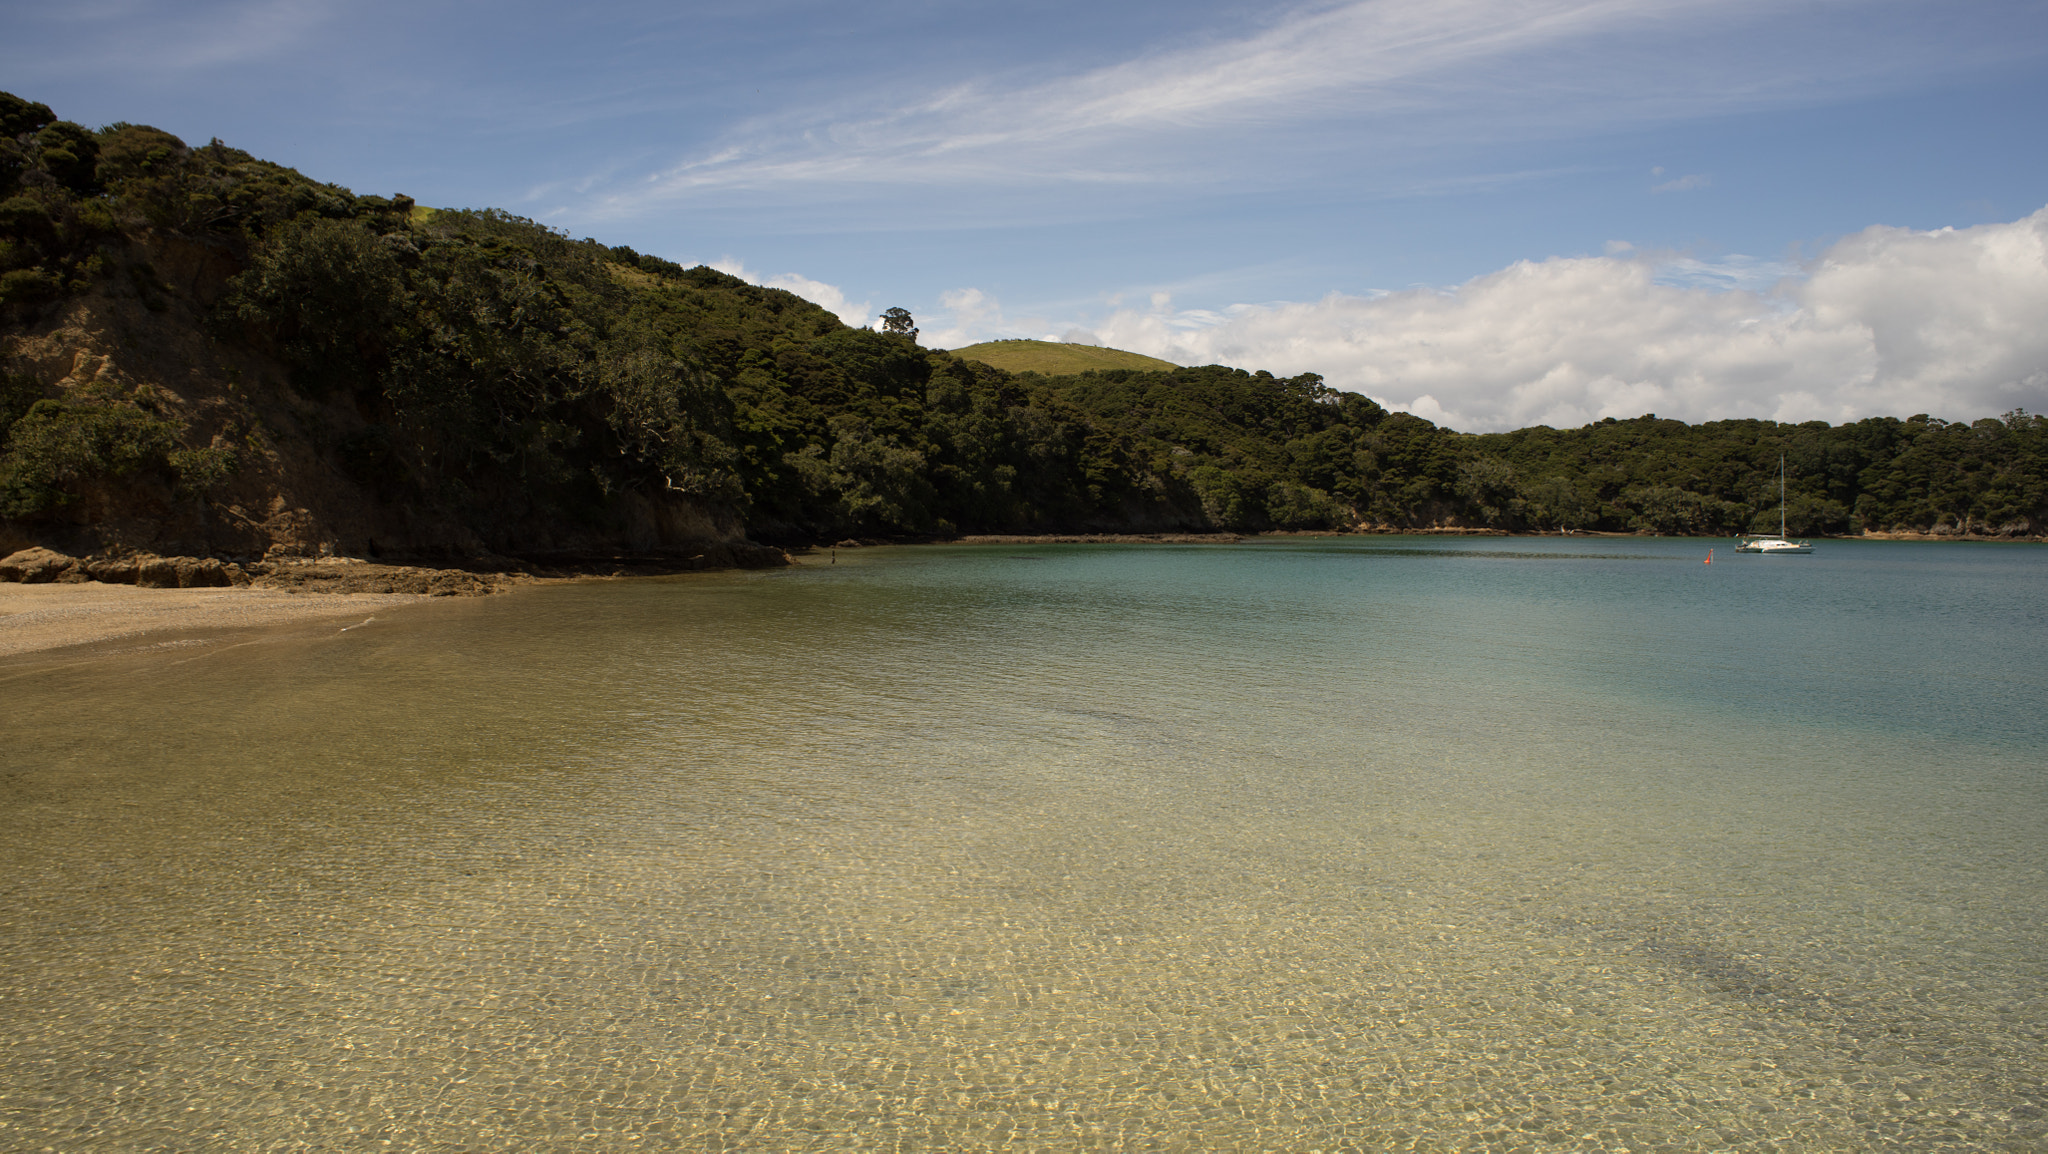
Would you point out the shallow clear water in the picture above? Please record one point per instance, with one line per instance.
(1292, 845)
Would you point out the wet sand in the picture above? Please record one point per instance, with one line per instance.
(42, 617)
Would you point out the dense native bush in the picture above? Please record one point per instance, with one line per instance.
(57, 445)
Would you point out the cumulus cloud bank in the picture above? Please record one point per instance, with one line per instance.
(1889, 321)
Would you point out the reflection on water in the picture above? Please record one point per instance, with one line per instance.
(1299, 845)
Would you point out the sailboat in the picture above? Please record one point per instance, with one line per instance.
(1780, 544)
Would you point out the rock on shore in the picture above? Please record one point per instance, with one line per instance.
(38, 566)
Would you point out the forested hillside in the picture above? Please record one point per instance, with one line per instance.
(205, 352)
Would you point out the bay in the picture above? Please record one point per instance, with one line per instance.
(1356, 843)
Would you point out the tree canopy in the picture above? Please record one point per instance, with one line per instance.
(898, 322)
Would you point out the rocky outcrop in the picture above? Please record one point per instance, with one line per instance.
(186, 573)
(367, 577)
(37, 565)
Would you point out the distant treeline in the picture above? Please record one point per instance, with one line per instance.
(477, 366)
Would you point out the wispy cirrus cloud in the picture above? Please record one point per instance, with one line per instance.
(1317, 62)
(1369, 76)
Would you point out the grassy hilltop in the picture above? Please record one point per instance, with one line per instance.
(204, 352)
(1054, 359)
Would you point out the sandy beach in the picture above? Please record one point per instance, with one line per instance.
(53, 616)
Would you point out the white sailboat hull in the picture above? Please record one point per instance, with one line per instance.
(1780, 545)
(1776, 546)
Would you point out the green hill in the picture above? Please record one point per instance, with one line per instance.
(1055, 359)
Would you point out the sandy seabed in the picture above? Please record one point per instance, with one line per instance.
(43, 617)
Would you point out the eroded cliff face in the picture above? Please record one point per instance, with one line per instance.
(256, 468)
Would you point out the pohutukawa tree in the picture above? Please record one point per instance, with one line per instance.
(899, 322)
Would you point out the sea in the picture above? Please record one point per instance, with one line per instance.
(1295, 844)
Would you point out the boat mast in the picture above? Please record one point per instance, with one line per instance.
(1781, 494)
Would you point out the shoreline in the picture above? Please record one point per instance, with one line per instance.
(39, 619)
(1235, 538)
(42, 616)
(51, 601)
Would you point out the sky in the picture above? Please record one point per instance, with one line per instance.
(1492, 213)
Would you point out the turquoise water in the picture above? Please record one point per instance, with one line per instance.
(1298, 844)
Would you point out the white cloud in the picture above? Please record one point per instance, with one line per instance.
(971, 315)
(1889, 321)
(831, 298)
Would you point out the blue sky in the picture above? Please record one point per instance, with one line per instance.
(1402, 194)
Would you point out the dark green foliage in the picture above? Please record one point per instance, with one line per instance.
(59, 444)
(133, 152)
(27, 218)
(70, 154)
(1253, 450)
(53, 447)
(19, 122)
(27, 286)
(202, 470)
(17, 393)
(327, 296)
(45, 246)
(1658, 476)
(68, 197)
(18, 116)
